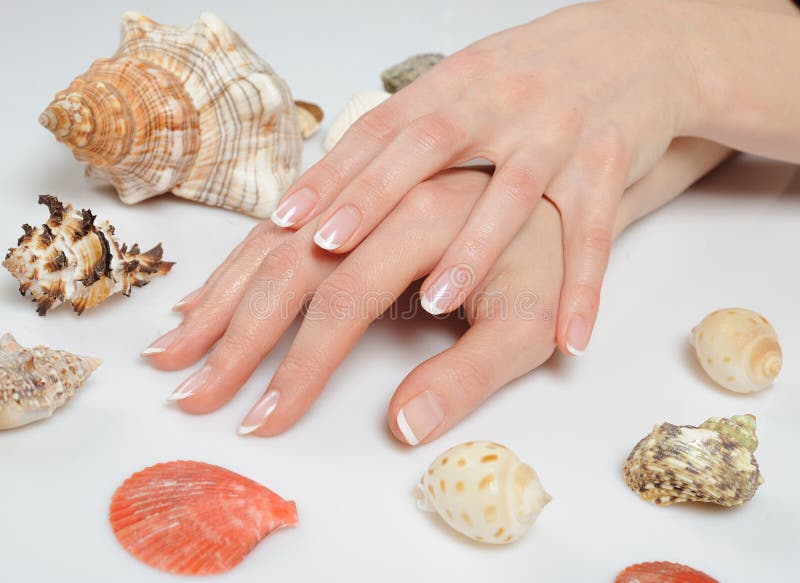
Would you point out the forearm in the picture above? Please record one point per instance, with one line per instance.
(686, 161)
(746, 59)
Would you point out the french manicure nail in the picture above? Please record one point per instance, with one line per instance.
(420, 416)
(259, 413)
(186, 299)
(577, 336)
(191, 385)
(445, 291)
(163, 343)
(296, 206)
(339, 228)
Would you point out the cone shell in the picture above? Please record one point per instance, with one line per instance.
(662, 572)
(482, 490)
(34, 382)
(192, 111)
(739, 349)
(72, 259)
(712, 463)
(358, 105)
(192, 518)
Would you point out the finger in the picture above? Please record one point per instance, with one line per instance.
(191, 299)
(273, 298)
(366, 138)
(496, 219)
(513, 332)
(209, 315)
(427, 145)
(588, 226)
(361, 289)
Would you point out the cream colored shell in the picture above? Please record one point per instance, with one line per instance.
(739, 349)
(358, 105)
(483, 490)
(188, 110)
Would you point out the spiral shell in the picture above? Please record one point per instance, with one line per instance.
(483, 490)
(34, 382)
(72, 259)
(192, 111)
(711, 463)
(739, 349)
(358, 105)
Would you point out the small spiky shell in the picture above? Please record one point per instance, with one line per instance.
(483, 490)
(358, 105)
(406, 72)
(72, 259)
(739, 349)
(711, 463)
(192, 111)
(34, 382)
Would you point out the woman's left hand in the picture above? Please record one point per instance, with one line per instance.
(578, 105)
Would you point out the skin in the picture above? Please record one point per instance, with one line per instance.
(576, 122)
(230, 315)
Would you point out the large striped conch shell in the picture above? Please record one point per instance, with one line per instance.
(34, 382)
(483, 490)
(70, 258)
(712, 463)
(192, 111)
(739, 349)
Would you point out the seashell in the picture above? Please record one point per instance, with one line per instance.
(192, 111)
(483, 490)
(34, 382)
(358, 105)
(662, 572)
(711, 463)
(309, 115)
(739, 349)
(404, 73)
(72, 259)
(192, 518)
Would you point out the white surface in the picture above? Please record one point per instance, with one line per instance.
(733, 241)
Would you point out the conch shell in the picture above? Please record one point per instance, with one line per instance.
(406, 72)
(34, 382)
(358, 105)
(192, 111)
(711, 463)
(739, 349)
(72, 259)
(483, 490)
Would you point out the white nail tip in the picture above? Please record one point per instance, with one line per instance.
(152, 351)
(247, 429)
(281, 222)
(574, 351)
(429, 307)
(326, 244)
(405, 429)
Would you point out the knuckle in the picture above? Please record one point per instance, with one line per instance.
(467, 65)
(423, 202)
(476, 375)
(329, 174)
(433, 132)
(477, 244)
(597, 239)
(282, 262)
(521, 185)
(263, 234)
(377, 125)
(296, 370)
(587, 297)
(234, 343)
(339, 295)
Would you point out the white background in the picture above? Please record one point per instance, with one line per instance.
(733, 241)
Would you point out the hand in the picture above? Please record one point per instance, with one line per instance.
(251, 299)
(578, 105)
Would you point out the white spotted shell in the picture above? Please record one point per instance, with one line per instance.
(483, 490)
(358, 105)
(739, 349)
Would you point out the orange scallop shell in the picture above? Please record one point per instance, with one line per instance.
(662, 572)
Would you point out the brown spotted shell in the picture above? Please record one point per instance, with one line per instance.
(34, 382)
(188, 110)
(72, 259)
(711, 463)
(483, 490)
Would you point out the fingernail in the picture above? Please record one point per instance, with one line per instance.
(577, 336)
(259, 413)
(296, 206)
(339, 228)
(186, 299)
(444, 291)
(163, 343)
(420, 416)
(191, 385)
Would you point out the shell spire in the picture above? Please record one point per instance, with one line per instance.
(188, 110)
(34, 382)
(70, 258)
